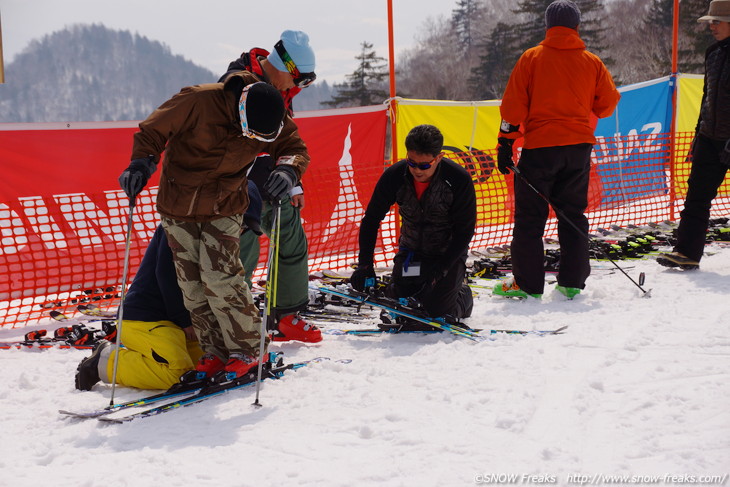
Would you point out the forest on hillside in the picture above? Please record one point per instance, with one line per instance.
(91, 73)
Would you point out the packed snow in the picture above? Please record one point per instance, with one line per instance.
(637, 391)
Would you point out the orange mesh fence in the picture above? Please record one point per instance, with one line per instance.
(62, 248)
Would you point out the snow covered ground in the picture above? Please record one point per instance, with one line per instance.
(637, 387)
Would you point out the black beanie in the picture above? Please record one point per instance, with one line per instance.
(264, 108)
(562, 13)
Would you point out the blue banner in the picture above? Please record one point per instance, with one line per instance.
(632, 147)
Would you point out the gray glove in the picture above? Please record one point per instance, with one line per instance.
(280, 182)
(135, 177)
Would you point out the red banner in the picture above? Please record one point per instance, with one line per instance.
(347, 160)
(63, 218)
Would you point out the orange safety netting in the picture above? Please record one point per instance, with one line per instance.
(62, 249)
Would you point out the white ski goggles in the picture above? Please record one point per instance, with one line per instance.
(248, 131)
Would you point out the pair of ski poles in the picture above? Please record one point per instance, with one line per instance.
(272, 267)
(272, 288)
(564, 217)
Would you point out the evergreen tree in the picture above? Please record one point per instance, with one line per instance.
(697, 35)
(366, 85)
(500, 51)
(692, 41)
(489, 78)
(592, 25)
(465, 20)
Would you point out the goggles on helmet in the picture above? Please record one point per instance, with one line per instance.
(301, 80)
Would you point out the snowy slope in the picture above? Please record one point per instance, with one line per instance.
(636, 387)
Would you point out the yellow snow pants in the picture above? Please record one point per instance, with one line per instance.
(154, 355)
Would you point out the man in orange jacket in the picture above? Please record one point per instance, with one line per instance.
(553, 91)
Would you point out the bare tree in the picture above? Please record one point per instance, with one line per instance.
(433, 69)
(632, 48)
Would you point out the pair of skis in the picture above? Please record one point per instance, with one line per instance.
(193, 391)
(434, 325)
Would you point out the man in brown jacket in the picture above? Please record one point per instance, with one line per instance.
(211, 133)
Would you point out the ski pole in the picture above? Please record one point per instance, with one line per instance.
(120, 312)
(272, 268)
(562, 215)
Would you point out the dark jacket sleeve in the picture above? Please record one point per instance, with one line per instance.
(463, 215)
(381, 201)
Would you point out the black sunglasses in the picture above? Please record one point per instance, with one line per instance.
(422, 165)
(301, 80)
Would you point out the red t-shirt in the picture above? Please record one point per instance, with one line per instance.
(420, 188)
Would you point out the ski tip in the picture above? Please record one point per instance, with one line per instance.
(112, 420)
(57, 315)
(78, 415)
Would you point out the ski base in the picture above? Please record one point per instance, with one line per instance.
(393, 331)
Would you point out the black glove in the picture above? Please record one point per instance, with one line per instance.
(360, 276)
(280, 182)
(504, 155)
(135, 177)
(508, 133)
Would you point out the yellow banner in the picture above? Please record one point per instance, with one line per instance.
(688, 102)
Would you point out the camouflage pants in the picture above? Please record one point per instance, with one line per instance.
(210, 274)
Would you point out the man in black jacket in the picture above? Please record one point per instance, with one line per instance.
(437, 205)
(711, 145)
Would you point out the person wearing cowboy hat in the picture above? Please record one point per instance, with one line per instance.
(710, 149)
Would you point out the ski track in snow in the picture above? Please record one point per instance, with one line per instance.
(637, 386)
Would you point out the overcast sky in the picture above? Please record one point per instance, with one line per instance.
(211, 33)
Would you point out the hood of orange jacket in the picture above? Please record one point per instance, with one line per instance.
(556, 90)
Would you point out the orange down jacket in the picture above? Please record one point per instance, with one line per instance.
(553, 90)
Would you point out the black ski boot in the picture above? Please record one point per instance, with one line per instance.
(87, 373)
